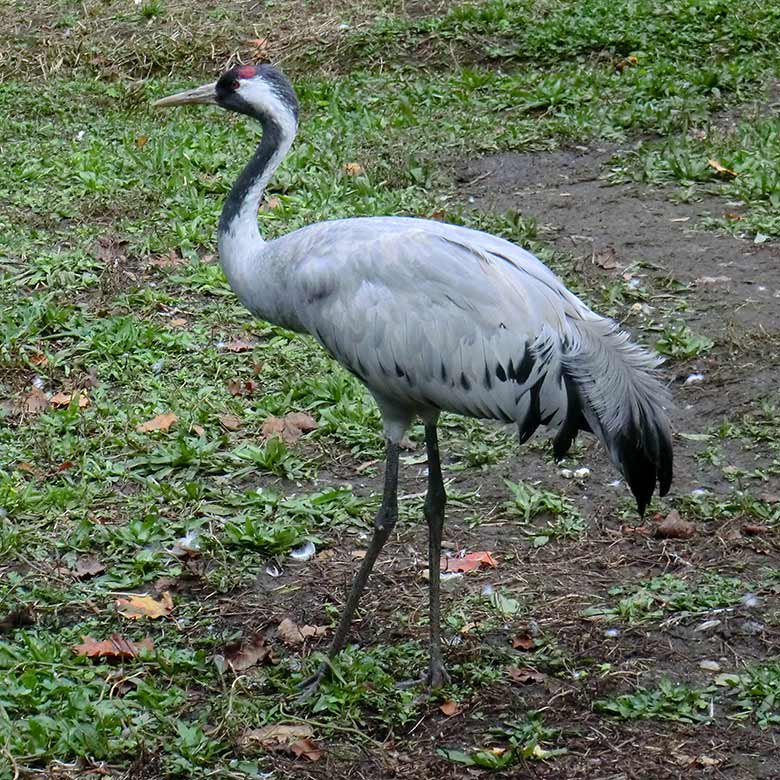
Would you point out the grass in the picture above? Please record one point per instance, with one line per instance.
(110, 286)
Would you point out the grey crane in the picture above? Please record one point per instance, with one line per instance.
(433, 317)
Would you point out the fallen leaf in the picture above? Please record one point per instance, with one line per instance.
(87, 566)
(38, 359)
(178, 322)
(450, 708)
(260, 47)
(468, 562)
(141, 141)
(720, 169)
(35, 401)
(271, 204)
(293, 634)
(674, 527)
(237, 387)
(247, 654)
(707, 761)
(137, 607)
(523, 642)
(358, 555)
(160, 423)
(305, 748)
(64, 399)
(288, 428)
(199, 430)
(352, 169)
(278, 736)
(110, 249)
(606, 258)
(172, 259)
(733, 216)
(30, 469)
(238, 345)
(626, 62)
(524, 675)
(770, 498)
(115, 647)
(229, 421)
(754, 529)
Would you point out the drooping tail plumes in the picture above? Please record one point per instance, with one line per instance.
(612, 388)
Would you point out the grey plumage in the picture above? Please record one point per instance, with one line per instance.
(435, 317)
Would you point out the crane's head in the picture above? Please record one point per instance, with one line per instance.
(259, 91)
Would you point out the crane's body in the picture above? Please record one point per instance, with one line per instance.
(434, 317)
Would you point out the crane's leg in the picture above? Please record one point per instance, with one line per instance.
(383, 526)
(435, 501)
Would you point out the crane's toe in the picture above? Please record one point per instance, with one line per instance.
(435, 678)
(310, 685)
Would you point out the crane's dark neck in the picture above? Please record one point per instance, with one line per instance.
(240, 242)
(246, 193)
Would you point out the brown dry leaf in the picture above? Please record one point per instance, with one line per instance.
(359, 555)
(38, 359)
(450, 708)
(271, 204)
(137, 607)
(247, 654)
(733, 216)
(64, 399)
(87, 566)
(293, 634)
(524, 675)
(720, 169)
(305, 748)
(199, 430)
(178, 322)
(172, 259)
(674, 527)
(236, 387)
(288, 428)
(468, 562)
(238, 345)
(606, 259)
(115, 647)
(141, 141)
(523, 642)
(754, 529)
(229, 421)
(278, 736)
(770, 498)
(35, 401)
(626, 62)
(352, 169)
(259, 47)
(160, 423)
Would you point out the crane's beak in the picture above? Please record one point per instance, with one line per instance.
(205, 94)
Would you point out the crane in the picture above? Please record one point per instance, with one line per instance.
(433, 317)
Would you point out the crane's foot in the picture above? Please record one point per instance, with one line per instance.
(434, 679)
(310, 685)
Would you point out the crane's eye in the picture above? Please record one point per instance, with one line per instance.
(235, 84)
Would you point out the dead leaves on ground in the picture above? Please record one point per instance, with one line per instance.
(87, 566)
(162, 422)
(289, 428)
(291, 738)
(721, 170)
(59, 400)
(468, 562)
(246, 654)
(674, 527)
(136, 607)
(450, 708)
(229, 422)
(115, 647)
(293, 634)
(524, 675)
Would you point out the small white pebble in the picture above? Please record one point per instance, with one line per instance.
(633, 283)
(694, 379)
(38, 382)
(80, 135)
(303, 553)
(488, 589)
(750, 600)
(566, 473)
(157, 366)
(699, 492)
(612, 632)
(582, 473)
